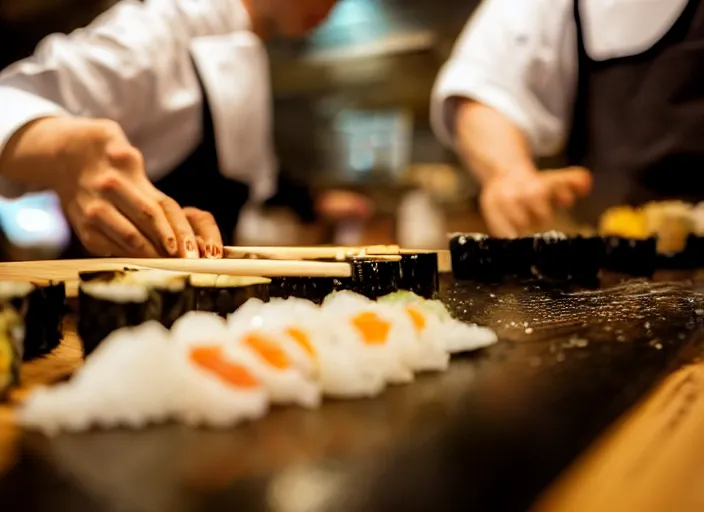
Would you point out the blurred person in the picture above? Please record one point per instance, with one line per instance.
(152, 124)
(617, 84)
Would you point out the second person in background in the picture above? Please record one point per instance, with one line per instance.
(152, 124)
(618, 84)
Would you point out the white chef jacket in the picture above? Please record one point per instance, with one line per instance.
(519, 57)
(135, 65)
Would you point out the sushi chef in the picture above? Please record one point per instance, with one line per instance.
(618, 85)
(151, 122)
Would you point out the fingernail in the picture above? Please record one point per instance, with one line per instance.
(171, 246)
(191, 250)
(208, 250)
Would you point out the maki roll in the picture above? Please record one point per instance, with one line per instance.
(43, 319)
(314, 289)
(223, 294)
(106, 306)
(588, 254)
(518, 255)
(170, 293)
(42, 309)
(419, 274)
(476, 257)
(11, 340)
(552, 254)
(633, 256)
(372, 277)
(558, 257)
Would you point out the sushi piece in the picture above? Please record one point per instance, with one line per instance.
(456, 336)
(42, 309)
(43, 320)
(372, 277)
(476, 257)
(419, 274)
(11, 341)
(169, 292)
(633, 256)
(552, 253)
(371, 327)
(314, 289)
(561, 258)
(104, 307)
(118, 386)
(336, 363)
(257, 350)
(518, 256)
(223, 294)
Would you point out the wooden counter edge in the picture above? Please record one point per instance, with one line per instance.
(651, 460)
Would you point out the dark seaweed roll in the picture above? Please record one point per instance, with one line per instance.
(104, 307)
(314, 289)
(170, 293)
(552, 256)
(11, 341)
(476, 257)
(44, 320)
(373, 277)
(634, 256)
(224, 294)
(587, 257)
(518, 255)
(419, 274)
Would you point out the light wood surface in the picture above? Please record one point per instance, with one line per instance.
(651, 461)
(67, 270)
(331, 252)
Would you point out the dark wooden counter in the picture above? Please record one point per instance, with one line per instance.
(490, 434)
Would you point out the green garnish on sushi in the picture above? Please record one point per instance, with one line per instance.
(430, 306)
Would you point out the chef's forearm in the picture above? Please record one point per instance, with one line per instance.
(31, 156)
(489, 144)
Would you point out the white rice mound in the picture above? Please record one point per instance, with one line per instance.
(135, 378)
(340, 366)
(199, 328)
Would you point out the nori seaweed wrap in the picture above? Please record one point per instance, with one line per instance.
(314, 289)
(558, 257)
(476, 257)
(42, 309)
(633, 256)
(11, 341)
(44, 319)
(372, 277)
(104, 307)
(170, 293)
(518, 256)
(552, 256)
(419, 274)
(223, 294)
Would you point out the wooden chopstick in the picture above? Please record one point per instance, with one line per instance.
(66, 270)
(307, 253)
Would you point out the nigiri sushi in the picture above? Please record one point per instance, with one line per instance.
(336, 363)
(137, 376)
(260, 352)
(457, 336)
(386, 341)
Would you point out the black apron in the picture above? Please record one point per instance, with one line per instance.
(198, 182)
(639, 120)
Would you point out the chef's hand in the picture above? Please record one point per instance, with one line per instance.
(104, 190)
(521, 203)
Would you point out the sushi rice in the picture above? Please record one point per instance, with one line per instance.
(158, 384)
(339, 365)
(211, 371)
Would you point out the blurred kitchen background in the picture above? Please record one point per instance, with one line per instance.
(351, 114)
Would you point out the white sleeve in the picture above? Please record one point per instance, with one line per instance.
(520, 58)
(131, 65)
